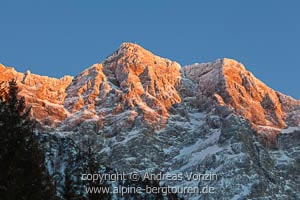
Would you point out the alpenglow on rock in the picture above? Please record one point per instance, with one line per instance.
(141, 112)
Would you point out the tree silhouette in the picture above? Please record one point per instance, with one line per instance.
(93, 168)
(23, 175)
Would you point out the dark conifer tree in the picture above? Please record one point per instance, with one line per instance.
(23, 175)
(93, 168)
(69, 193)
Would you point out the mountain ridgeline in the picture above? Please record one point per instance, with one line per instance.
(141, 112)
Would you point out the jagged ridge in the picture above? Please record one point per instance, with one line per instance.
(134, 82)
(43, 94)
(228, 83)
(141, 112)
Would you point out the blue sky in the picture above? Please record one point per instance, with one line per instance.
(64, 37)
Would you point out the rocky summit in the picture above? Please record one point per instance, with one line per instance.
(140, 112)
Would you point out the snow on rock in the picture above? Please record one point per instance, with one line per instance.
(142, 112)
(290, 130)
(45, 95)
(231, 84)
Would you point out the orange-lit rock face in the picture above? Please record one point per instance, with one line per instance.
(148, 80)
(231, 85)
(252, 98)
(130, 79)
(45, 95)
(133, 87)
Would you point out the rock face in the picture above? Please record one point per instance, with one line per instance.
(141, 112)
(231, 85)
(130, 83)
(43, 94)
(134, 82)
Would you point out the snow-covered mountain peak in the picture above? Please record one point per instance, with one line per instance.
(142, 86)
(131, 82)
(230, 84)
(140, 112)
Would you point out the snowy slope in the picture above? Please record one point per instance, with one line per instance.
(140, 112)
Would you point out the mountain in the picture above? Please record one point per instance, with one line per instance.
(45, 95)
(140, 112)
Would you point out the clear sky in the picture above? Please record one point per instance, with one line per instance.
(60, 37)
